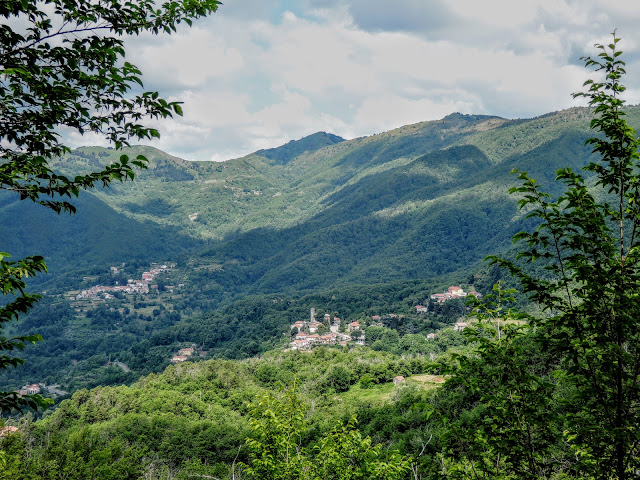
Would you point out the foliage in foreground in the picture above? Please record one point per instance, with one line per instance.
(61, 65)
(584, 419)
(196, 418)
(276, 451)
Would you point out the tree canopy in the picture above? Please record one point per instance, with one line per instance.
(579, 414)
(63, 68)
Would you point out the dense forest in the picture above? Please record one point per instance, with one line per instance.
(173, 316)
(493, 399)
(196, 418)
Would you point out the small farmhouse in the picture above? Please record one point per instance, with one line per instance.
(354, 326)
(7, 430)
(453, 292)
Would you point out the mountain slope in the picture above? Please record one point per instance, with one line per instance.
(399, 213)
(416, 202)
(440, 213)
(95, 235)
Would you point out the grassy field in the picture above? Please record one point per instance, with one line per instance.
(377, 394)
(384, 392)
(428, 382)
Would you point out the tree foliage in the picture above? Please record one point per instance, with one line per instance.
(277, 452)
(67, 69)
(509, 429)
(62, 69)
(587, 241)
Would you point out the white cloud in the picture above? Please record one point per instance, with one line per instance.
(382, 113)
(259, 73)
(188, 59)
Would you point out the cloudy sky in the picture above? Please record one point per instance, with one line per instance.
(259, 73)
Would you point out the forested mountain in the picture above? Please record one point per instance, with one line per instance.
(410, 210)
(417, 202)
(413, 208)
(363, 229)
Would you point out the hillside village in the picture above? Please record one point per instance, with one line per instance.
(307, 333)
(133, 286)
(40, 388)
(188, 352)
(451, 293)
(316, 330)
(312, 333)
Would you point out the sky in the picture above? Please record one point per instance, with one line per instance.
(259, 73)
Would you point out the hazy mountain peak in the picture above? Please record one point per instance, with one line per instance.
(294, 148)
(458, 117)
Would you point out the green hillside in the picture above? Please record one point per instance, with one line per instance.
(410, 210)
(97, 235)
(413, 217)
(192, 420)
(362, 229)
(416, 202)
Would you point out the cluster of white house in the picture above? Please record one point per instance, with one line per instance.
(153, 273)
(307, 335)
(453, 292)
(32, 389)
(132, 286)
(183, 355)
(306, 341)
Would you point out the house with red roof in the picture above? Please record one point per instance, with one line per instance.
(313, 327)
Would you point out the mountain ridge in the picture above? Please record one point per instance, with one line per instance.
(289, 151)
(401, 213)
(413, 181)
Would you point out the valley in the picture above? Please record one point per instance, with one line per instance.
(358, 227)
(341, 268)
(330, 276)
